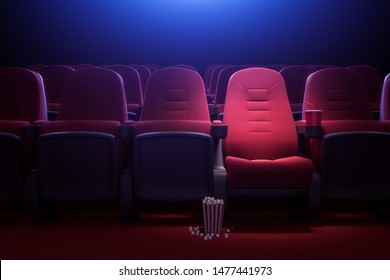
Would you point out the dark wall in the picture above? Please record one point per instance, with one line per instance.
(197, 32)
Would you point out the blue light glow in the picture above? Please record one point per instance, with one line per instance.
(197, 32)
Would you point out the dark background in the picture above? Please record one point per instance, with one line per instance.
(196, 32)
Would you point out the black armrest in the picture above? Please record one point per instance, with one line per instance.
(30, 131)
(213, 111)
(125, 131)
(219, 131)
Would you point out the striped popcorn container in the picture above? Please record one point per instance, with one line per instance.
(213, 211)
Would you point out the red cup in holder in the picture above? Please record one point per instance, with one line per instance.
(313, 117)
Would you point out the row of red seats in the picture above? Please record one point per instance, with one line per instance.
(92, 151)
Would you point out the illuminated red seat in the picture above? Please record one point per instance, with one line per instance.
(262, 144)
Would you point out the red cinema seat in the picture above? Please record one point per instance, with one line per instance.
(213, 82)
(295, 77)
(22, 102)
(350, 153)
(144, 75)
(373, 84)
(54, 77)
(174, 145)
(222, 83)
(262, 144)
(80, 156)
(133, 88)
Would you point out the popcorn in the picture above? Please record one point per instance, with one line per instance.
(213, 210)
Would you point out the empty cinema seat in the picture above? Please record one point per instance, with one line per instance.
(262, 144)
(54, 77)
(353, 146)
(295, 79)
(213, 82)
(144, 74)
(373, 83)
(173, 154)
(80, 156)
(22, 102)
(222, 83)
(133, 88)
(385, 100)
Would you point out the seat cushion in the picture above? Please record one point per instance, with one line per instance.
(172, 125)
(287, 173)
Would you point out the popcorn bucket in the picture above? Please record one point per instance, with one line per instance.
(213, 211)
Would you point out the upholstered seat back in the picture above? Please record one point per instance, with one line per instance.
(339, 92)
(259, 117)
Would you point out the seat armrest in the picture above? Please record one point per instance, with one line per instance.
(219, 130)
(125, 131)
(308, 131)
(30, 131)
(213, 111)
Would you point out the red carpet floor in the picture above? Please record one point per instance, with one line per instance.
(163, 234)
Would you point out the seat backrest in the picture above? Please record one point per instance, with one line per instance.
(22, 95)
(132, 83)
(175, 93)
(214, 77)
(259, 117)
(339, 92)
(372, 80)
(93, 94)
(207, 75)
(54, 77)
(385, 101)
(295, 77)
(144, 74)
(222, 82)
